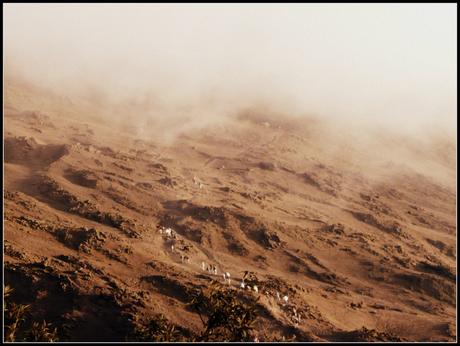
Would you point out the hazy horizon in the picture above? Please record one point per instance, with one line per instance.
(387, 64)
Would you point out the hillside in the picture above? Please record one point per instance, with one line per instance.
(357, 228)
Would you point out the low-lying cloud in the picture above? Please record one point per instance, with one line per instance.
(390, 65)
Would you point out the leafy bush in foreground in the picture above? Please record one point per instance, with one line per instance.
(18, 328)
(224, 316)
(158, 329)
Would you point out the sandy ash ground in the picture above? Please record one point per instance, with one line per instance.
(356, 233)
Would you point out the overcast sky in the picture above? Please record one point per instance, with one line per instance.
(390, 63)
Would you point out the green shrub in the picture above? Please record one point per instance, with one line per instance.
(157, 329)
(18, 328)
(224, 316)
(42, 332)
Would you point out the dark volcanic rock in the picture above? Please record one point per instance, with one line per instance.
(267, 166)
(82, 177)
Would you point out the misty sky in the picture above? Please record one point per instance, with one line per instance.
(389, 63)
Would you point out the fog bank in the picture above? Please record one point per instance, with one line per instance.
(391, 65)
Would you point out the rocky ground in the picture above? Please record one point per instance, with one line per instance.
(360, 235)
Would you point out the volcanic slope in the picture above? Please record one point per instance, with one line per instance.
(356, 233)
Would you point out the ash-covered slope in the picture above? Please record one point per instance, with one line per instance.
(356, 233)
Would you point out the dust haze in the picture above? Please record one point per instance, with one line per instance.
(391, 65)
(307, 150)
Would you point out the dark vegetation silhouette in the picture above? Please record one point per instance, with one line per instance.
(18, 326)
